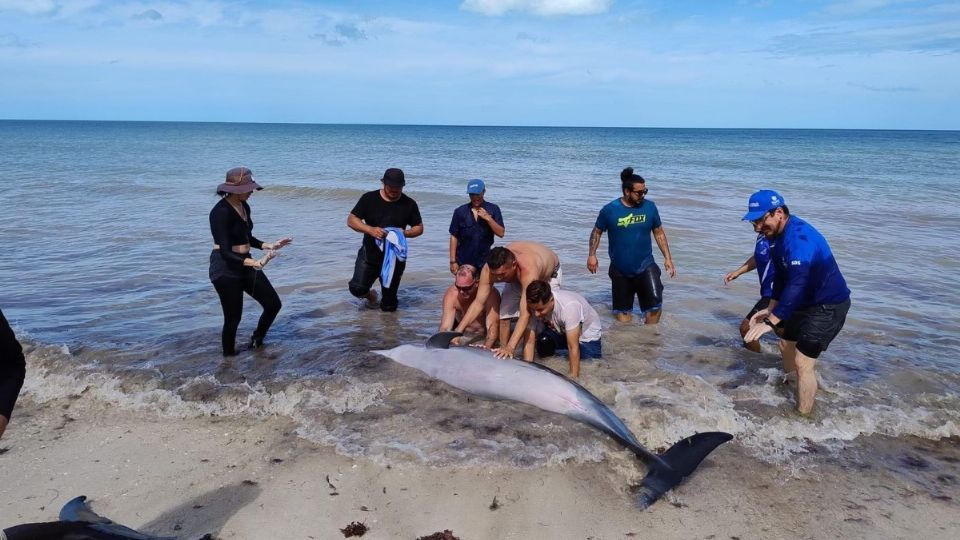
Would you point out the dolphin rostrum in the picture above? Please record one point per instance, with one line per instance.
(79, 522)
(478, 371)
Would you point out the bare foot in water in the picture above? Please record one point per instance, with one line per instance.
(372, 301)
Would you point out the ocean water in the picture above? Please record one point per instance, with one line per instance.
(105, 279)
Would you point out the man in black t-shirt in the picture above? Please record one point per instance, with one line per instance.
(372, 215)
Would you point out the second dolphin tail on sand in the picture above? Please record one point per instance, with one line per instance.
(678, 462)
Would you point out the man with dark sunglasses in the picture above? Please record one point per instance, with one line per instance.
(631, 220)
(457, 300)
(810, 298)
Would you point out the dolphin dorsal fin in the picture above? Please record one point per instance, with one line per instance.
(441, 340)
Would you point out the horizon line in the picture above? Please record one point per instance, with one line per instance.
(371, 124)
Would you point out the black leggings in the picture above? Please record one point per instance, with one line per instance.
(230, 289)
(12, 368)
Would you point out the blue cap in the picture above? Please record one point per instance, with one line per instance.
(475, 187)
(762, 202)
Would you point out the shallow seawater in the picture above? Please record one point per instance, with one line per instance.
(107, 280)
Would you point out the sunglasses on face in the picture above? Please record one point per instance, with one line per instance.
(640, 191)
(760, 219)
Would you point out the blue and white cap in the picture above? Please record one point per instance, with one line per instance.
(475, 187)
(762, 202)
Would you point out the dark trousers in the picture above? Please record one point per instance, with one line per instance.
(366, 272)
(230, 290)
(12, 368)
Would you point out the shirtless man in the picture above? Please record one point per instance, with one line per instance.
(457, 300)
(518, 265)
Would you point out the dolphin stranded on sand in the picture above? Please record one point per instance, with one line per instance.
(79, 522)
(477, 371)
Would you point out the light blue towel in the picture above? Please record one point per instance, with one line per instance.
(394, 249)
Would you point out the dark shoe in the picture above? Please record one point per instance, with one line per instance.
(256, 341)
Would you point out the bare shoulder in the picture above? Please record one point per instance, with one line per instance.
(450, 296)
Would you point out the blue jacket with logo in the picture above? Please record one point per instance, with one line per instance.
(806, 272)
(765, 267)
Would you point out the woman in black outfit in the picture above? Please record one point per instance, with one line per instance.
(12, 371)
(233, 270)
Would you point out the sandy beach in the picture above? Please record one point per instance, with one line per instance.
(254, 478)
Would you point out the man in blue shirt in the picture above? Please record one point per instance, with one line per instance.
(765, 271)
(631, 219)
(472, 228)
(810, 297)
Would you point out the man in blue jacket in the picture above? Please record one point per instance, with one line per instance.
(760, 260)
(810, 297)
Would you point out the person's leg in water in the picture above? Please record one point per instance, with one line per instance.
(230, 291)
(389, 301)
(549, 342)
(365, 274)
(12, 372)
(622, 292)
(259, 287)
(744, 328)
(803, 366)
(745, 324)
(649, 289)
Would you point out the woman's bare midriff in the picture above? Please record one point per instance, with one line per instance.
(242, 249)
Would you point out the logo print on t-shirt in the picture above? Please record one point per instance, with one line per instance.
(631, 219)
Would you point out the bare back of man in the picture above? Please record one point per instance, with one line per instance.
(535, 261)
(522, 262)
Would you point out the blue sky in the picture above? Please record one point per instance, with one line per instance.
(711, 63)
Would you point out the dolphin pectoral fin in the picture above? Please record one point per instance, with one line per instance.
(681, 459)
(441, 340)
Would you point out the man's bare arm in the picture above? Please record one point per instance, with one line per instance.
(592, 263)
(449, 314)
(414, 231)
(476, 307)
(661, 237)
(573, 351)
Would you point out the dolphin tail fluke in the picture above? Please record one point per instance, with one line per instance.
(76, 510)
(678, 462)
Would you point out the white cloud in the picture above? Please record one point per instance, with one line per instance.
(30, 7)
(859, 7)
(537, 7)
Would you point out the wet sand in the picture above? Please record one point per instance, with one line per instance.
(250, 479)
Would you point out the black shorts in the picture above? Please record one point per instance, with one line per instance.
(646, 286)
(813, 328)
(761, 304)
